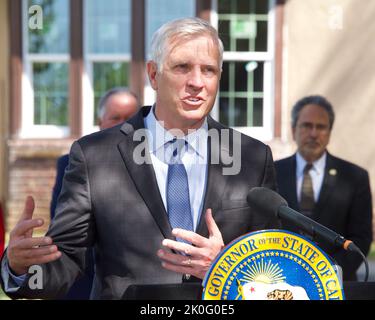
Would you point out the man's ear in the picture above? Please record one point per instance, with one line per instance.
(152, 70)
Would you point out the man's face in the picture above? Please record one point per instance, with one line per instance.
(119, 108)
(187, 85)
(312, 132)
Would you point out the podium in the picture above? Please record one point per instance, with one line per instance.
(193, 291)
(359, 290)
(183, 291)
(264, 265)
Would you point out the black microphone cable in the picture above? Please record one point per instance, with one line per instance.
(350, 246)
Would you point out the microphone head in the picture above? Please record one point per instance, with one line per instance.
(265, 201)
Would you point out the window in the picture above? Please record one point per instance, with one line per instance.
(45, 76)
(158, 13)
(245, 99)
(50, 93)
(107, 34)
(162, 11)
(246, 88)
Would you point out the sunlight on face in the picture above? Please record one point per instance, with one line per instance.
(186, 88)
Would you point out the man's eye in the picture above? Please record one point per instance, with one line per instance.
(306, 125)
(209, 70)
(181, 67)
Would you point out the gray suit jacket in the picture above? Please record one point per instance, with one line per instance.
(111, 203)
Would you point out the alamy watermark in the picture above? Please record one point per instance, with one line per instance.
(224, 147)
(36, 279)
(36, 17)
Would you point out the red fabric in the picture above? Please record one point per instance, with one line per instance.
(2, 231)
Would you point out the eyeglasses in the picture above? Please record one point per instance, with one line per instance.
(308, 126)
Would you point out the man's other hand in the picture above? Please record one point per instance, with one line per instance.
(196, 258)
(24, 250)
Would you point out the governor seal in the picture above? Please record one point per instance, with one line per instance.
(272, 265)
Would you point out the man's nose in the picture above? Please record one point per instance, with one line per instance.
(314, 132)
(195, 79)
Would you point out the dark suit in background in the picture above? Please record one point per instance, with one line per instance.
(82, 287)
(341, 198)
(344, 205)
(61, 165)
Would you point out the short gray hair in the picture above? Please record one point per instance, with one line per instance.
(104, 99)
(181, 28)
(317, 100)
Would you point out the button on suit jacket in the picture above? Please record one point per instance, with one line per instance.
(112, 203)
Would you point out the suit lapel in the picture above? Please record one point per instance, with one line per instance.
(143, 175)
(150, 193)
(329, 181)
(216, 181)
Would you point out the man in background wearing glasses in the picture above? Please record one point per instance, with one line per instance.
(329, 190)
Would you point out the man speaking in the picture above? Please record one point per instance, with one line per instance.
(157, 207)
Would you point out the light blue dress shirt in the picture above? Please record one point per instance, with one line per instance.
(194, 160)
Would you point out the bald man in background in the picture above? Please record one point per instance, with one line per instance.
(115, 107)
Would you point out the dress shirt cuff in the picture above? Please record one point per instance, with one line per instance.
(11, 282)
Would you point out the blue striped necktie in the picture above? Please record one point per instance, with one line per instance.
(178, 200)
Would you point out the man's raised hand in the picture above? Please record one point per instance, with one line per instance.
(24, 250)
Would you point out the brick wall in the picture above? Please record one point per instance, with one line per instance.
(32, 171)
(33, 177)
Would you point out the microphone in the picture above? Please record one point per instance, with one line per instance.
(271, 203)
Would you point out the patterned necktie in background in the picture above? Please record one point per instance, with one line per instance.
(178, 199)
(307, 192)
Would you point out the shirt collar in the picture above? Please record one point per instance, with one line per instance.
(158, 136)
(318, 165)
